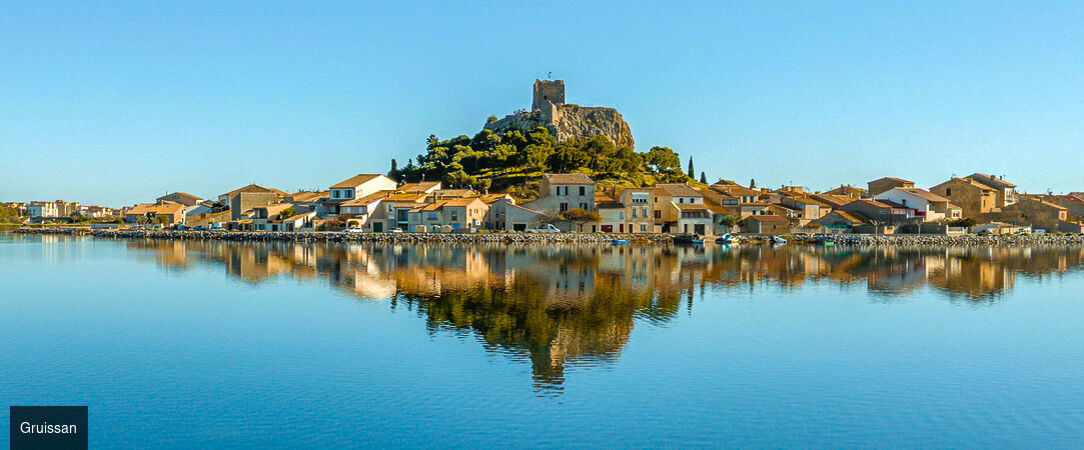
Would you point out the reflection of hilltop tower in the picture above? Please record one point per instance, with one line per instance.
(548, 96)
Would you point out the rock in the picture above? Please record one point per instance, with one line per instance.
(566, 121)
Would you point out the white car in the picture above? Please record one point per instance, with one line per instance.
(354, 230)
(396, 230)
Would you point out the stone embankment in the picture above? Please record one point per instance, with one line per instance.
(586, 238)
(359, 237)
(953, 240)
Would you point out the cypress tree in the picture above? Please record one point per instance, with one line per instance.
(692, 172)
(703, 178)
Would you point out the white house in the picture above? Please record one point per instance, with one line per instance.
(357, 186)
(924, 204)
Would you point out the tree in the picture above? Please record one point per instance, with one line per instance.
(289, 212)
(548, 217)
(580, 217)
(691, 172)
(394, 172)
(964, 222)
(703, 178)
(728, 221)
(752, 183)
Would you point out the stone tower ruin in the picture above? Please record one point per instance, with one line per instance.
(549, 95)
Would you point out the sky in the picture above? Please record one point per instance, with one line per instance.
(117, 103)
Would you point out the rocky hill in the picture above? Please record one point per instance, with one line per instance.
(565, 121)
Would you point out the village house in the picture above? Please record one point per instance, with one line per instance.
(395, 210)
(611, 214)
(1074, 206)
(1035, 212)
(357, 186)
(505, 215)
(424, 187)
(848, 191)
(833, 201)
(928, 206)
(561, 192)
(680, 209)
(247, 197)
(365, 212)
(454, 215)
(166, 213)
(841, 221)
(808, 209)
(269, 218)
(973, 198)
(765, 224)
(882, 212)
(180, 197)
(882, 185)
(639, 210)
(1006, 191)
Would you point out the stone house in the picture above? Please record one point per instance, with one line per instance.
(765, 224)
(505, 215)
(365, 212)
(42, 209)
(1006, 191)
(1036, 212)
(561, 192)
(881, 185)
(973, 198)
(841, 221)
(848, 191)
(879, 212)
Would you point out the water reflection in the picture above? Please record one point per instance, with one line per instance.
(568, 305)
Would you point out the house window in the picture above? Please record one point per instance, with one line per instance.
(948, 192)
(644, 209)
(335, 193)
(583, 206)
(658, 214)
(634, 213)
(583, 190)
(620, 215)
(389, 207)
(349, 194)
(564, 207)
(643, 227)
(431, 215)
(681, 199)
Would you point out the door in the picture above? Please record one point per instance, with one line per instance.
(378, 227)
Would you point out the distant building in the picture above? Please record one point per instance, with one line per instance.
(1006, 191)
(881, 185)
(180, 197)
(974, 198)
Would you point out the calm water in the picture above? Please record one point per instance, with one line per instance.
(211, 344)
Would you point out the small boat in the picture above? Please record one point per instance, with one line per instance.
(688, 239)
(778, 240)
(620, 242)
(726, 239)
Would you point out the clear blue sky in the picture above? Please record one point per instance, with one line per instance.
(117, 103)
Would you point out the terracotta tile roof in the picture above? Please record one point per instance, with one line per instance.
(462, 201)
(405, 197)
(183, 194)
(355, 181)
(849, 216)
(568, 178)
(691, 206)
(924, 194)
(899, 180)
(768, 218)
(368, 199)
(254, 188)
(308, 196)
(991, 181)
(677, 190)
(418, 187)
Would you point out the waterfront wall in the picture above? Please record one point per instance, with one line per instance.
(839, 240)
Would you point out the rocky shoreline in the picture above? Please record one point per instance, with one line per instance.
(586, 238)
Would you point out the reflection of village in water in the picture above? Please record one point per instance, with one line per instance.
(561, 305)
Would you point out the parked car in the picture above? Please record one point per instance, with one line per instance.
(180, 227)
(354, 230)
(396, 230)
(199, 228)
(548, 228)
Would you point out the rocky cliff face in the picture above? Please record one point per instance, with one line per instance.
(566, 121)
